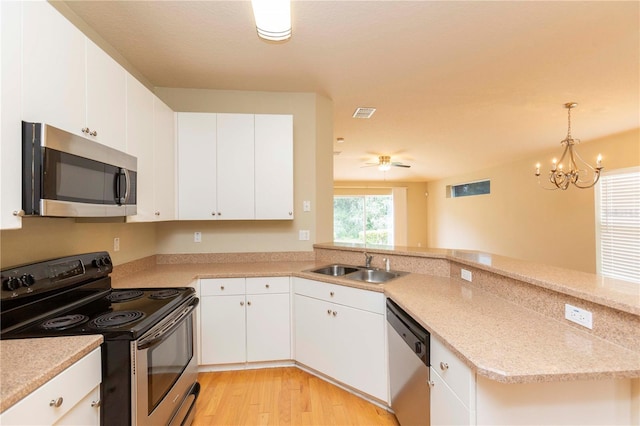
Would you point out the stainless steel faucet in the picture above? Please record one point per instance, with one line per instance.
(387, 266)
(367, 260)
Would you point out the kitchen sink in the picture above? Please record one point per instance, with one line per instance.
(375, 276)
(356, 273)
(336, 270)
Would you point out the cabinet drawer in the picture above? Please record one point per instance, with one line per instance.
(221, 286)
(71, 386)
(266, 285)
(453, 372)
(357, 298)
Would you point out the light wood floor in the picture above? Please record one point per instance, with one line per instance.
(280, 396)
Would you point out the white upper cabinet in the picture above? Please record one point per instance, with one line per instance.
(274, 166)
(68, 81)
(106, 98)
(10, 120)
(54, 75)
(164, 144)
(196, 166)
(235, 166)
(140, 122)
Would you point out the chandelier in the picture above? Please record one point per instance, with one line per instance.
(579, 173)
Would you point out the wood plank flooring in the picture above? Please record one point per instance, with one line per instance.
(281, 396)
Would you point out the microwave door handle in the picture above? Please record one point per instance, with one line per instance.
(157, 339)
(127, 187)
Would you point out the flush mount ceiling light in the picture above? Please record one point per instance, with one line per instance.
(580, 173)
(363, 112)
(273, 19)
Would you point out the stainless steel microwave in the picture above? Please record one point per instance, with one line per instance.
(67, 175)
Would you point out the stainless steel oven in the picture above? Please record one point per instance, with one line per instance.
(149, 371)
(164, 371)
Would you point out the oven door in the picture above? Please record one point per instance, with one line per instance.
(165, 370)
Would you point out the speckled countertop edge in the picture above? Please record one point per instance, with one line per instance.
(27, 364)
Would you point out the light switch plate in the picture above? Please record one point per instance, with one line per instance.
(116, 244)
(197, 237)
(304, 235)
(306, 206)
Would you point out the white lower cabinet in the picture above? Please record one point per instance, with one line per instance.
(244, 320)
(70, 398)
(460, 397)
(340, 332)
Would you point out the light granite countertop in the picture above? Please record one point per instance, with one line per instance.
(27, 364)
(496, 338)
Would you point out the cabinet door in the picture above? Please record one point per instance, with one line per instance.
(84, 413)
(268, 327)
(359, 345)
(235, 166)
(196, 166)
(106, 98)
(53, 86)
(274, 166)
(140, 144)
(446, 407)
(164, 143)
(222, 328)
(313, 341)
(10, 115)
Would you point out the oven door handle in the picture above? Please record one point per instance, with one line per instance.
(161, 334)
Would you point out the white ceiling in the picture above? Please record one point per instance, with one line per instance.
(458, 85)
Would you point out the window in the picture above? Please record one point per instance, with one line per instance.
(471, 188)
(618, 224)
(363, 219)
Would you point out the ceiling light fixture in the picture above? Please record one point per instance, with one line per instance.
(581, 174)
(273, 19)
(340, 140)
(384, 163)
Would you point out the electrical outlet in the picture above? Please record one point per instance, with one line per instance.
(578, 315)
(116, 244)
(306, 206)
(197, 237)
(304, 235)
(466, 275)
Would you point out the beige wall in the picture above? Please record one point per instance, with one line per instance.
(416, 206)
(43, 238)
(312, 134)
(521, 220)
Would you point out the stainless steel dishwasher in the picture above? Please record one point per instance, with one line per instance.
(408, 367)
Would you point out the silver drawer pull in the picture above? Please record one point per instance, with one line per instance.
(335, 313)
(331, 294)
(221, 287)
(444, 366)
(248, 303)
(431, 383)
(56, 402)
(328, 311)
(95, 404)
(241, 303)
(266, 285)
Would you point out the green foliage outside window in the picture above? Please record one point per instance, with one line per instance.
(365, 218)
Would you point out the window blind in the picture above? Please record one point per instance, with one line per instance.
(618, 225)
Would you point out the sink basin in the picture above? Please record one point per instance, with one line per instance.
(375, 276)
(336, 270)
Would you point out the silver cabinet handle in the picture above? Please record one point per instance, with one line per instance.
(241, 303)
(219, 214)
(157, 213)
(248, 303)
(334, 313)
(213, 213)
(431, 383)
(266, 285)
(94, 133)
(328, 311)
(95, 403)
(444, 366)
(331, 294)
(85, 130)
(221, 287)
(290, 213)
(56, 402)
(19, 213)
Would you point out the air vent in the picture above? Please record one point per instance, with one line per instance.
(364, 112)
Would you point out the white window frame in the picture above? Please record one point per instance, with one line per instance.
(627, 260)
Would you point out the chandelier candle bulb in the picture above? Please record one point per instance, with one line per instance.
(599, 161)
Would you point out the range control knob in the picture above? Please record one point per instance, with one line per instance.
(106, 261)
(97, 262)
(27, 280)
(11, 283)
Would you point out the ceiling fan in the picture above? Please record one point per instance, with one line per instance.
(384, 163)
